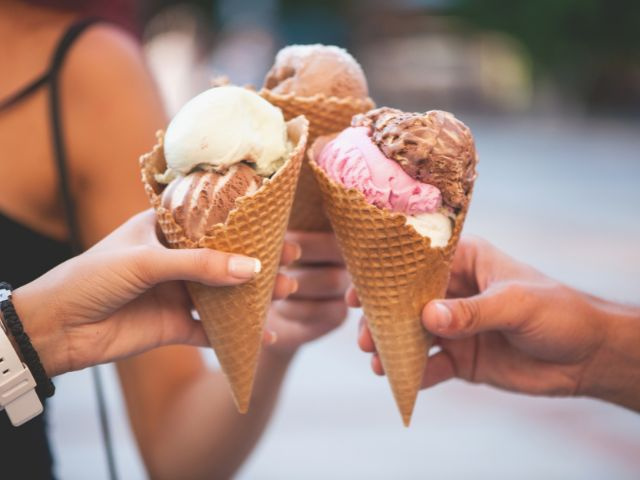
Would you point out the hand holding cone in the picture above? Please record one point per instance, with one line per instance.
(395, 270)
(233, 317)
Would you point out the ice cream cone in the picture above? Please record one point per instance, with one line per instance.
(326, 115)
(233, 317)
(395, 272)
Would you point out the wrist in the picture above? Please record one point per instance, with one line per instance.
(612, 373)
(39, 323)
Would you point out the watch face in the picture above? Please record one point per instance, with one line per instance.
(5, 294)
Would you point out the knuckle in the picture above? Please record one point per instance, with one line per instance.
(517, 292)
(205, 261)
(142, 253)
(142, 261)
(468, 315)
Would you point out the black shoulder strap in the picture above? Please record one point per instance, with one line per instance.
(52, 77)
(44, 78)
(57, 62)
(24, 92)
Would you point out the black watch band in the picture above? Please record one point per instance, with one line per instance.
(44, 386)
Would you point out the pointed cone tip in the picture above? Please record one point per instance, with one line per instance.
(406, 419)
(241, 393)
(242, 404)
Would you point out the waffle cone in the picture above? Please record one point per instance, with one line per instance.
(395, 273)
(326, 115)
(233, 317)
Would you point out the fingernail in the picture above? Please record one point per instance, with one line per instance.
(293, 286)
(443, 316)
(273, 337)
(244, 267)
(297, 252)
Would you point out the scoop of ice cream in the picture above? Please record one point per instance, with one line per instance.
(307, 70)
(437, 226)
(432, 147)
(222, 127)
(202, 199)
(353, 160)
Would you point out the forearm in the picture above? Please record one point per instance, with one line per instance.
(613, 374)
(203, 436)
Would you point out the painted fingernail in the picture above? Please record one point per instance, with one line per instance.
(443, 316)
(244, 267)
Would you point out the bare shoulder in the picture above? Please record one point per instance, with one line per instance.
(109, 93)
(105, 49)
(108, 60)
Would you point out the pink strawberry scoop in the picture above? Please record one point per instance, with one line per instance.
(353, 160)
(419, 165)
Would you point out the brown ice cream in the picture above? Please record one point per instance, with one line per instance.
(202, 199)
(307, 70)
(433, 147)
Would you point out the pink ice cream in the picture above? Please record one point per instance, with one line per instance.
(353, 160)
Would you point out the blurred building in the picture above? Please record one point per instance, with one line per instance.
(494, 55)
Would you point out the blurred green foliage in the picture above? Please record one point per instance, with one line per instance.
(562, 33)
(590, 48)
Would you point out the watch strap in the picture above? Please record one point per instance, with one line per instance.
(17, 385)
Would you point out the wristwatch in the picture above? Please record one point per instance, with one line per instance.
(17, 385)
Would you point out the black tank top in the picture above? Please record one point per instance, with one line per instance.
(24, 450)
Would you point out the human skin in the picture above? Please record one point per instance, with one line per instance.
(123, 297)
(507, 325)
(181, 412)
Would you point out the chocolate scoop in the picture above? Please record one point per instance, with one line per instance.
(432, 147)
(202, 199)
(307, 70)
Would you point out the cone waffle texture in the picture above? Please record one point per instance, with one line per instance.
(395, 272)
(326, 115)
(233, 317)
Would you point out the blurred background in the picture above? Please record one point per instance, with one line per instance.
(551, 90)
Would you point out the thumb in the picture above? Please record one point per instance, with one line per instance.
(501, 309)
(202, 265)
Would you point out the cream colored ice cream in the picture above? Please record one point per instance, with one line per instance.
(437, 226)
(221, 127)
(307, 70)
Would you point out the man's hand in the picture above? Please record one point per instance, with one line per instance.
(507, 325)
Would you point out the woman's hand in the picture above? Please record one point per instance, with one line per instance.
(318, 306)
(507, 325)
(123, 297)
